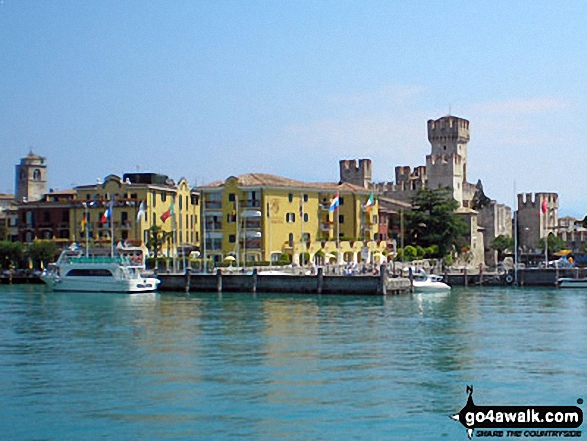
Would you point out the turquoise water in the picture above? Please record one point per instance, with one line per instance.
(238, 366)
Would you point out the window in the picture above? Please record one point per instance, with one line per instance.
(374, 219)
(231, 197)
(195, 199)
(232, 238)
(340, 201)
(290, 197)
(305, 198)
(163, 197)
(341, 219)
(46, 217)
(123, 216)
(290, 217)
(305, 217)
(133, 196)
(180, 203)
(65, 216)
(291, 239)
(154, 200)
(37, 175)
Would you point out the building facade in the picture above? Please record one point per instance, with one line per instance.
(261, 217)
(157, 194)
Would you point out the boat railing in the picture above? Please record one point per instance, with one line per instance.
(101, 259)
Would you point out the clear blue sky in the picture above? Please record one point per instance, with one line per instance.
(209, 89)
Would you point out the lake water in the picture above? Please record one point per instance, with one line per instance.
(237, 366)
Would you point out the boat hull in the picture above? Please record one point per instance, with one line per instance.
(98, 284)
(572, 283)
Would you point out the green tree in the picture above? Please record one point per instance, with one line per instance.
(555, 244)
(11, 254)
(501, 244)
(156, 239)
(432, 221)
(41, 251)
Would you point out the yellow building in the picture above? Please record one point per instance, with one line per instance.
(272, 215)
(157, 194)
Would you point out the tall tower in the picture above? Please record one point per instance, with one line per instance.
(31, 178)
(446, 165)
(352, 173)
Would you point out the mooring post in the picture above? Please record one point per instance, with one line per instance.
(466, 277)
(411, 278)
(219, 280)
(320, 277)
(254, 280)
(383, 279)
(188, 277)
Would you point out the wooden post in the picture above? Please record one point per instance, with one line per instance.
(188, 277)
(383, 279)
(466, 277)
(254, 280)
(219, 280)
(320, 278)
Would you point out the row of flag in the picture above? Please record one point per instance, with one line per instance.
(336, 202)
(142, 213)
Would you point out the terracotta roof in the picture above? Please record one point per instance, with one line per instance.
(267, 180)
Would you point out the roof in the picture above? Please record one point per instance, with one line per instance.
(268, 180)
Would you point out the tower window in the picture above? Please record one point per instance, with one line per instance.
(37, 175)
(444, 148)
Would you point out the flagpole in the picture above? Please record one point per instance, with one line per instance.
(237, 247)
(111, 227)
(174, 237)
(545, 211)
(302, 227)
(515, 236)
(268, 217)
(86, 227)
(203, 223)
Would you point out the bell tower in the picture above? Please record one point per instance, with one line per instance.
(31, 178)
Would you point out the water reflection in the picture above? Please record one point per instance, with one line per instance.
(273, 366)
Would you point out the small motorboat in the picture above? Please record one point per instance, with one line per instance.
(424, 282)
(567, 282)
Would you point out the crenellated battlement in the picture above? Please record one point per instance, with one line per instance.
(534, 201)
(444, 159)
(447, 129)
(356, 173)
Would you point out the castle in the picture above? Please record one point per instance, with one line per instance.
(446, 167)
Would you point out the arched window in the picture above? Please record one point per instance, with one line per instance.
(37, 175)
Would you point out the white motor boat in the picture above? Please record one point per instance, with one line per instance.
(424, 282)
(567, 282)
(96, 271)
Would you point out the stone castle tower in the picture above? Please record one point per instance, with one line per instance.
(352, 173)
(31, 178)
(533, 224)
(446, 165)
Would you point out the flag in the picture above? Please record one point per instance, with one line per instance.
(142, 211)
(334, 204)
(84, 222)
(168, 213)
(370, 203)
(544, 206)
(107, 214)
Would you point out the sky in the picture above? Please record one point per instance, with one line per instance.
(209, 89)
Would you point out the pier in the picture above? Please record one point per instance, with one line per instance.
(374, 285)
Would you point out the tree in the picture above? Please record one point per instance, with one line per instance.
(157, 238)
(41, 251)
(11, 254)
(501, 244)
(432, 221)
(555, 243)
(479, 199)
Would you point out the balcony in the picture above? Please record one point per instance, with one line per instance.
(250, 203)
(252, 224)
(252, 244)
(212, 226)
(213, 205)
(324, 206)
(326, 226)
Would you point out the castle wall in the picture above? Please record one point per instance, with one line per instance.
(532, 223)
